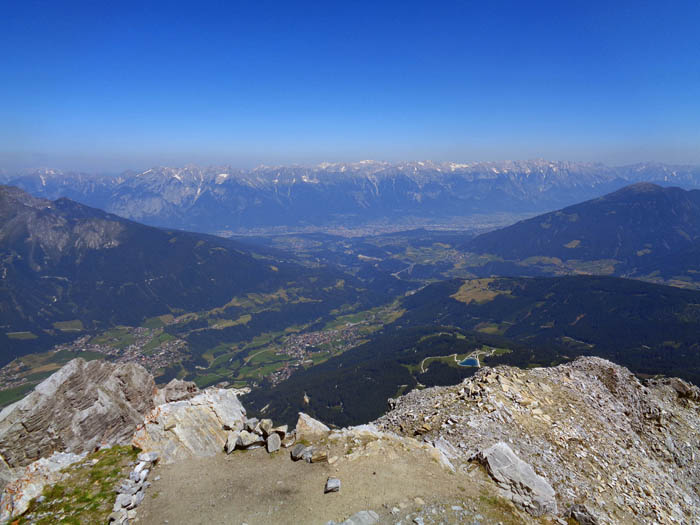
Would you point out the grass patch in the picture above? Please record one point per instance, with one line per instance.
(153, 323)
(86, 493)
(119, 337)
(150, 347)
(20, 335)
(489, 328)
(76, 325)
(478, 291)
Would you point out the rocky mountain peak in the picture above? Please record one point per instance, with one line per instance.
(82, 406)
(624, 448)
(586, 440)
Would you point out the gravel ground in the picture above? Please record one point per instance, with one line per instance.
(256, 488)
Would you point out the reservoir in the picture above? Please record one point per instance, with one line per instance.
(469, 361)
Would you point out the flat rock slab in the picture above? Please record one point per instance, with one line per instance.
(364, 517)
(518, 480)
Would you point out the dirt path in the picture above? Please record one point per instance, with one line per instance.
(256, 488)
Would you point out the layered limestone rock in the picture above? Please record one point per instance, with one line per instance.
(612, 447)
(198, 426)
(83, 406)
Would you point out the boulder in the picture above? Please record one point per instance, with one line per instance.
(83, 406)
(364, 517)
(248, 439)
(684, 389)
(176, 390)
(310, 429)
(199, 425)
(281, 430)
(122, 500)
(273, 442)
(251, 424)
(231, 441)
(148, 457)
(298, 451)
(318, 456)
(519, 482)
(119, 517)
(235, 426)
(289, 439)
(308, 453)
(264, 427)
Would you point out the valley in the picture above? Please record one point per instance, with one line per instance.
(334, 325)
(161, 346)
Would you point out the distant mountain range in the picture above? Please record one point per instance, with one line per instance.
(642, 231)
(221, 199)
(66, 265)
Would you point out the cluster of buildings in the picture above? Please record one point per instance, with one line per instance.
(160, 355)
(301, 346)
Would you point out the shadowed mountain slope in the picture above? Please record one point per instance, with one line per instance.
(640, 230)
(61, 261)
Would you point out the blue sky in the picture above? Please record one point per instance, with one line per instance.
(106, 86)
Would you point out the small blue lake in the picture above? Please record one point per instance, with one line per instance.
(469, 361)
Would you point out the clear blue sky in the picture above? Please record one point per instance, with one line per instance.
(114, 85)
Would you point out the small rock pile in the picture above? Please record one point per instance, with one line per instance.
(130, 492)
(253, 433)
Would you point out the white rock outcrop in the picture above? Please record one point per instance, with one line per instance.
(20, 492)
(191, 427)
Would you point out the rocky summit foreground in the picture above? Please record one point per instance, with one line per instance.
(586, 442)
(611, 447)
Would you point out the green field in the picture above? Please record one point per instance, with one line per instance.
(76, 325)
(21, 335)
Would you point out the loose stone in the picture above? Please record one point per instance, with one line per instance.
(332, 485)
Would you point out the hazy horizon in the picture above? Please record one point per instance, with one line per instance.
(252, 166)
